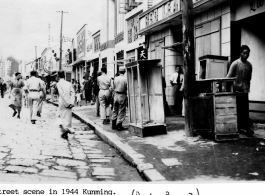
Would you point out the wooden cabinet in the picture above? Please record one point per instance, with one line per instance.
(145, 92)
(215, 112)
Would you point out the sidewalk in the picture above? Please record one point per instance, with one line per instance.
(174, 157)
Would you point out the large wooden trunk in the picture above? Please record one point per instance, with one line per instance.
(145, 92)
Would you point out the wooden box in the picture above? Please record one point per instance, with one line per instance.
(145, 92)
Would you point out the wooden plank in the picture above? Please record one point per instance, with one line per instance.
(225, 111)
(225, 99)
(226, 119)
(225, 128)
(226, 105)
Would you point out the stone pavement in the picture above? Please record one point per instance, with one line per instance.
(174, 157)
(37, 154)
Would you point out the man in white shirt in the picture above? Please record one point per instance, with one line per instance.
(176, 81)
(34, 86)
(42, 98)
(26, 93)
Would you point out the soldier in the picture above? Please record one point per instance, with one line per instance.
(42, 98)
(34, 86)
(104, 95)
(120, 100)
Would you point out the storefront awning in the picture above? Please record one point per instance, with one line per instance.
(79, 61)
(174, 47)
(117, 61)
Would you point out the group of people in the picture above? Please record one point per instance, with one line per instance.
(112, 92)
(34, 91)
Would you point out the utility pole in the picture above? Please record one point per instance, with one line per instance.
(189, 62)
(61, 39)
(35, 65)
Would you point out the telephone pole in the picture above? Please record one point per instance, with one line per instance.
(61, 39)
(189, 62)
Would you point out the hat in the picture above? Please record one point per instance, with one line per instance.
(17, 73)
(121, 69)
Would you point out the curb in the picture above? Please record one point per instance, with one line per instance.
(126, 151)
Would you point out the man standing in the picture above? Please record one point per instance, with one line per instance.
(88, 89)
(120, 100)
(34, 86)
(242, 70)
(42, 97)
(104, 95)
(66, 103)
(176, 81)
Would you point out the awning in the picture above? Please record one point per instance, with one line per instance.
(174, 47)
(79, 61)
(116, 61)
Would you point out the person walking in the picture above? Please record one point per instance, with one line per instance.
(66, 103)
(53, 90)
(242, 70)
(42, 97)
(34, 85)
(104, 95)
(16, 94)
(176, 81)
(120, 100)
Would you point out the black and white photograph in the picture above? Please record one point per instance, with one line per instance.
(132, 91)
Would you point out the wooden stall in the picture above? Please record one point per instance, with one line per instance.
(145, 92)
(214, 109)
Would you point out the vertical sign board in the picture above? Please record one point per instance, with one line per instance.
(142, 54)
(81, 44)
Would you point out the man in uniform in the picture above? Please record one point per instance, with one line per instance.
(104, 95)
(42, 98)
(120, 100)
(242, 70)
(34, 86)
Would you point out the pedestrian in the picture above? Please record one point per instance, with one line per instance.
(176, 81)
(242, 70)
(104, 95)
(42, 97)
(88, 89)
(34, 86)
(96, 92)
(2, 87)
(53, 90)
(16, 94)
(66, 103)
(120, 100)
(26, 93)
(78, 94)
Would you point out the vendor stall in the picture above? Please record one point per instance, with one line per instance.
(214, 109)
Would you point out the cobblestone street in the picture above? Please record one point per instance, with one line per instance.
(36, 153)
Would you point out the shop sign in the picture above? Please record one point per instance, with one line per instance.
(248, 8)
(159, 12)
(81, 44)
(133, 29)
(142, 54)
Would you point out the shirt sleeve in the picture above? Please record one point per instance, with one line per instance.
(172, 78)
(232, 70)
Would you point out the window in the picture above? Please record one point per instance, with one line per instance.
(104, 62)
(97, 43)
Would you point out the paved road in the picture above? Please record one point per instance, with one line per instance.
(36, 153)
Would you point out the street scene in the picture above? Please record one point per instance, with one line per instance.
(132, 91)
